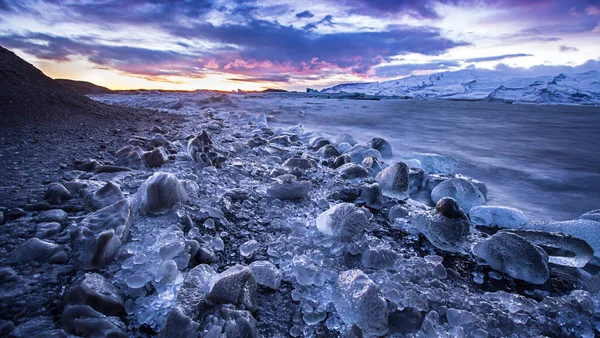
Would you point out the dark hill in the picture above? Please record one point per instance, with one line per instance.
(83, 87)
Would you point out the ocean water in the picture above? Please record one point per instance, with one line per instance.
(544, 160)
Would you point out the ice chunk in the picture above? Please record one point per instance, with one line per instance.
(266, 274)
(358, 300)
(304, 270)
(237, 286)
(109, 194)
(435, 163)
(463, 191)
(562, 249)
(459, 317)
(35, 249)
(248, 248)
(115, 217)
(352, 171)
(342, 147)
(287, 187)
(55, 215)
(48, 229)
(358, 153)
(56, 193)
(381, 145)
(379, 258)
(584, 229)
(371, 194)
(345, 138)
(501, 217)
(159, 193)
(447, 227)
(512, 254)
(394, 181)
(372, 164)
(343, 220)
(92, 250)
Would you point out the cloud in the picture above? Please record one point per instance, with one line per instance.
(326, 21)
(541, 70)
(391, 71)
(305, 15)
(565, 49)
(496, 57)
(274, 78)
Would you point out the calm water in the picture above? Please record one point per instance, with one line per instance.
(544, 160)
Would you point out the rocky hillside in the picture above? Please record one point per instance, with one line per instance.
(83, 87)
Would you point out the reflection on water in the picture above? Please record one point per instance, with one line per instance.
(544, 160)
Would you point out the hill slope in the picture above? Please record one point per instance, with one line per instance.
(83, 87)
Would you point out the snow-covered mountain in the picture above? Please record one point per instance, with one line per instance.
(477, 84)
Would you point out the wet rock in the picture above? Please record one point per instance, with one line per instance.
(394, 181)
(97, 292)
(82, 320)
(447, 227)
(117, 217)
(282, 140)
(287, 187)
(381, 145)
(15, 213)
(358, 153)
(158, 141)
(345, 138)
(55, 215)
(47, 230)
(89, 166)
(1, 217)
(35, 249)
(340, 161)
(352, 331)
(463, 191)
(495, 216)
(512, 254)
(155, 158)
(317, 143)
(56, 193)
(328, 151)
(343, 220)
(352, 171)
(300, 163)
(266, 274)
(593, 215)
(237, 286)
(372, 165)
(358, 300)
(159, 194)
(371, 194)
(109, 194)
(130, 156)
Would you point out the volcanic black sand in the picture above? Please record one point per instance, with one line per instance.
(44, 125)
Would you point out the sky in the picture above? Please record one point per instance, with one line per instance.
(258, 44)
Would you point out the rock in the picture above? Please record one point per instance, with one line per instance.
(117, 217)
(56, 193)
(109, 194)
(562, 249)
(130, 156)
(371, 194)
(82, 320)
(447, 227)
(158, 141)
(159, 194)
(283, 140)
(340, 161)
(435, 164)
(287, 187)
(47, 230)
(512, 254)
(352, 331)
(358, 300)
(343, 220)
(328, 151)
(15, 213)
(345, 138)
(300, 163)
(93, 250)
(1, 217)
(415, 178)
(358, 153)
(352, 171)
(198, 146)
(372, 165)
(379, 258)
(342, 147)
(405, 321)
(381, 145)
(55, 215)
(266, 274)
(89, 166)
(155, 158)
(501, 217)
(35, 249)
(237, 286)
(593, 215)
(397, 211)
(317, 143)
(94, 290)
(394, 181)
(463, 191)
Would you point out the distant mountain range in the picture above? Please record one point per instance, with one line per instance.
(476, 84)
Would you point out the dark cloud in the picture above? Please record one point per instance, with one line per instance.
(326, 21)
(540, 70)
(565, 49)
(273, 78)
(390, 71)
(497, 57)
(305, 15)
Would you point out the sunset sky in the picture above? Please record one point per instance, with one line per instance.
(253, 45)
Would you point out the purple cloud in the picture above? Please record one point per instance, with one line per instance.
(566, 49)
(305, 15)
